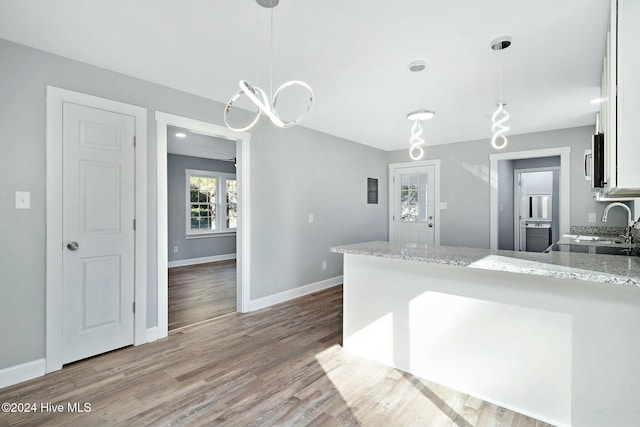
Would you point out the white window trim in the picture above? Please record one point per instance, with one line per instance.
(221, 178)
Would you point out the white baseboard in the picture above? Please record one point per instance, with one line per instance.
(23, 372)
(294, 293)
(152, 334)
(203, 260)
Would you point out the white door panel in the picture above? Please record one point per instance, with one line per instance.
(98, 213)
(413, 205)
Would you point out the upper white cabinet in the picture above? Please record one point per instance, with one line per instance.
(620, 113)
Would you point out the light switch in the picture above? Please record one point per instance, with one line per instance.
(443, 205)
(310, 218)
(592, 217)
(23, 200)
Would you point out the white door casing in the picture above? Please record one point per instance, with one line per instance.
(414, 202)
(243, 241)
(98, 231)
(59, 100)
(565, 186)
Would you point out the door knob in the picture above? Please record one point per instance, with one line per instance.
(73, 246)
(430, 225)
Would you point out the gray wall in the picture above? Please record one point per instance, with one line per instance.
(325, 175)
(310, 172)
(465, 170)
(538, 162)
(176, 200)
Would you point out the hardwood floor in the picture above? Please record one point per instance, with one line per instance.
(201, 292)
(281, 366)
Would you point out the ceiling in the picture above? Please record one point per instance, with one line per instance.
(353, 53)
(198, 145)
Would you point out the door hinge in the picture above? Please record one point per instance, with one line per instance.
(134, 224)
(134, 140)
(394, 217)
(134, 306)
(394, 179)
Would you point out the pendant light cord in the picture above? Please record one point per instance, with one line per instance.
(500, 80)
(271, 56)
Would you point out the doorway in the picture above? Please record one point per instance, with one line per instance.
(499, 179)
(202, 214)
(242, 139)
(536, 208)
(414, 202)
(96, 289)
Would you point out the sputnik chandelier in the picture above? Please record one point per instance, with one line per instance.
(258, 96)
(501, 115)
(416, 152)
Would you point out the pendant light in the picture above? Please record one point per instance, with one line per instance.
(501, 115)
(416, 152)
(258, 96)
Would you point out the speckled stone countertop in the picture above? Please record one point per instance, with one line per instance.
(597, 230)
(608, 241)
(616, 269)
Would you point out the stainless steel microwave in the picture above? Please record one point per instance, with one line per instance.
(594, 162)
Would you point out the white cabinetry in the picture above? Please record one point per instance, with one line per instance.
(621, 111)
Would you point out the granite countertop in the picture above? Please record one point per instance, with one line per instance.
(607, 241)
(617, 269)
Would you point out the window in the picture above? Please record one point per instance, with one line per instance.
(413, 197)
(212, 203)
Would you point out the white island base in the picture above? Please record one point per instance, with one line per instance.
(563, 351)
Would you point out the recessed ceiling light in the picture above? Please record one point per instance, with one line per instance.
(421, 115)
(417, 66)
(181, 135)
(598, 100)
(501, 42)
(268, 3)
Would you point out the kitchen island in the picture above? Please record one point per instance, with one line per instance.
(555, 336)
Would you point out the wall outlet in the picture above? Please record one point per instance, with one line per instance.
(310, 218)
(324, 265)
(592, 217)
(175, 249)
(23, 200)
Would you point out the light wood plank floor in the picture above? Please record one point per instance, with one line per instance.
(201, 292)
(281, 366)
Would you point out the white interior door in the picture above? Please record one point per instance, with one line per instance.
(414, 205)
(98, 231)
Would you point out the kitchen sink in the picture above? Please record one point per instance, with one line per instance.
(598, 239)
(595, 244)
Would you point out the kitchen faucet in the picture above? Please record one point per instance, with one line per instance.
(628, 238)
